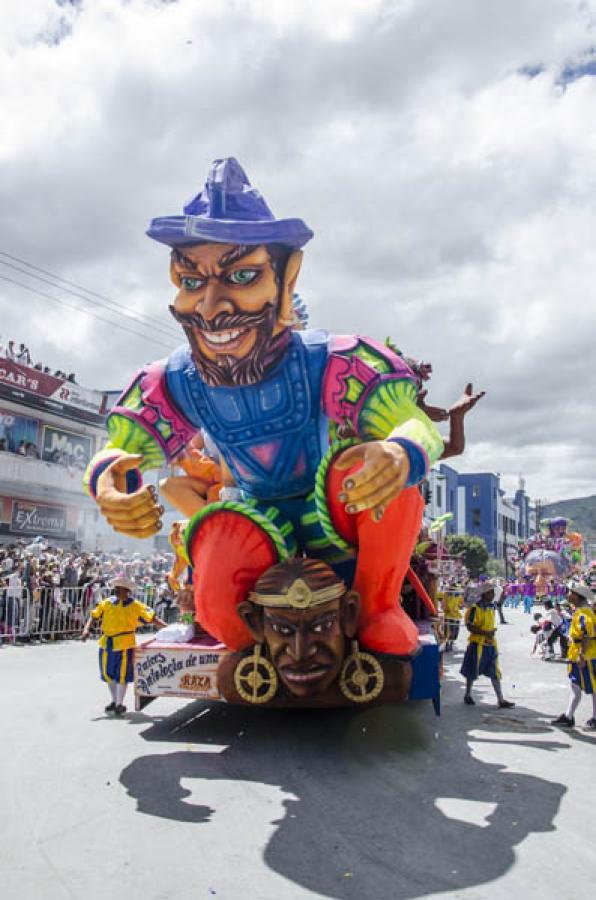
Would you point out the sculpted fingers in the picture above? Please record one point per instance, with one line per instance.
(146, 532)
(153, 517)
(377, 477)
(114, 500)
(350, 457)
(381, 496)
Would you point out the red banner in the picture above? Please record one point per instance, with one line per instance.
(21, 384)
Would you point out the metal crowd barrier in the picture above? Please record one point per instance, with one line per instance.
(57, 613)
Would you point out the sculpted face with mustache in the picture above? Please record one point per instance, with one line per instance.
(235, 305)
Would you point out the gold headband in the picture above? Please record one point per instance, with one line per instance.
(299, 596)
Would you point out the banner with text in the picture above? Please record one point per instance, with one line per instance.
(22, 384)
(182, 670)
(65, 447)
(37, 518)
(16, 430)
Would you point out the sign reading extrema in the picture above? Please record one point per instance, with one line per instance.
(21, 384)
(37, 518)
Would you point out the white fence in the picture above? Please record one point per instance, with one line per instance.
(56, 613)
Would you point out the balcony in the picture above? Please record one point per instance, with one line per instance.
(26, 477)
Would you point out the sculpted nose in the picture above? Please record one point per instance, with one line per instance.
(298, 646)
(301, 647)
(213, 301)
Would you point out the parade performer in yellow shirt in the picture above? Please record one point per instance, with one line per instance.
(581, 656)
(451, 600)
(120, 616)
(481, 656)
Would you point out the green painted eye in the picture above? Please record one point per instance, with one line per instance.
(243, 276)
(191, 284)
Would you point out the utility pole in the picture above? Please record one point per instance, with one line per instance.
(505, 559)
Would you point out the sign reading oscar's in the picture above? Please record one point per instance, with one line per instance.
(37, 518)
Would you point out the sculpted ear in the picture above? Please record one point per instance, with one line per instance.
(350, 613)
(252, 616)
(174, 276)
(287, 317)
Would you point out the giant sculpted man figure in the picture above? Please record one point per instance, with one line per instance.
(270, 398)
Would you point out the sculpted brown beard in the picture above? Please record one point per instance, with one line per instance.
(227, 370)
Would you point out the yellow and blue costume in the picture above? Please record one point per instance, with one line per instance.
(119, 621)
(583, 628)
(452, 600)
(481, 656)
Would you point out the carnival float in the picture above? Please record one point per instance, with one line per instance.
(551, 558)
(301, 456)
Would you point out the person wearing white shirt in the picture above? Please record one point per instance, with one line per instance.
(555, 632)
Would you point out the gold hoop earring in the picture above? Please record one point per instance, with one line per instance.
(255, 678)
(362, 677)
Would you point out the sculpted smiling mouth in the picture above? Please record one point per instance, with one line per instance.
(224, 336)
(304, 674)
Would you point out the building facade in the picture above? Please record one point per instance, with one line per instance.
(479, 507)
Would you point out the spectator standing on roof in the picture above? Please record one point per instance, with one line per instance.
(23, 356)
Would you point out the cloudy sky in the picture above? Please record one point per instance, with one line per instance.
(443, 151)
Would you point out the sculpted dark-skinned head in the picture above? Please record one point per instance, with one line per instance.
(303, 614)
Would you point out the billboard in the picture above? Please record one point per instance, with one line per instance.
(30, 518)
(15, 430)
(65, 447)
(22, 384)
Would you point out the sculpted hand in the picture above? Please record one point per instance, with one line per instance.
(382, 477)
(467, 401)
(188, 495)
(138, 514)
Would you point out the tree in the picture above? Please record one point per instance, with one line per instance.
(496, 568)
(475, 554)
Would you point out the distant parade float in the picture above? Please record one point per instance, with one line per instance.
(546, 562)
(302, 456)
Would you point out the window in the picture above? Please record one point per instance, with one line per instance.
(475, 491)
(439, 495)
(476, 518)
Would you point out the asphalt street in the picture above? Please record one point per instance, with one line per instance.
(194, 802)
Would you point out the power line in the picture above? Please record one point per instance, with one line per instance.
(88, 312)
(142, 318)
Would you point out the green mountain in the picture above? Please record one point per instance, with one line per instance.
(581, 511)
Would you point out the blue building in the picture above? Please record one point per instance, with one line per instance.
(482, 493)
(479, 507)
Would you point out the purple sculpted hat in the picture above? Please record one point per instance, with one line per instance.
(228, 211)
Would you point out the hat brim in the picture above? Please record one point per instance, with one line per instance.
(123, 583)
(180, 231)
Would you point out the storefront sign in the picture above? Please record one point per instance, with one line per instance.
(16, 430)
(177, 671)
(65, 447)
(36, 518)
(22, 384)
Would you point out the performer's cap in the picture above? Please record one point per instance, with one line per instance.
(228, 211)
(576, 587)
(485, 587)
(121, 581)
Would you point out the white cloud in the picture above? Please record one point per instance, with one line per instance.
(452, 196)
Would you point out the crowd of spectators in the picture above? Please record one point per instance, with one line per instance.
(29, 450)
(22, 355)
(47, 591)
